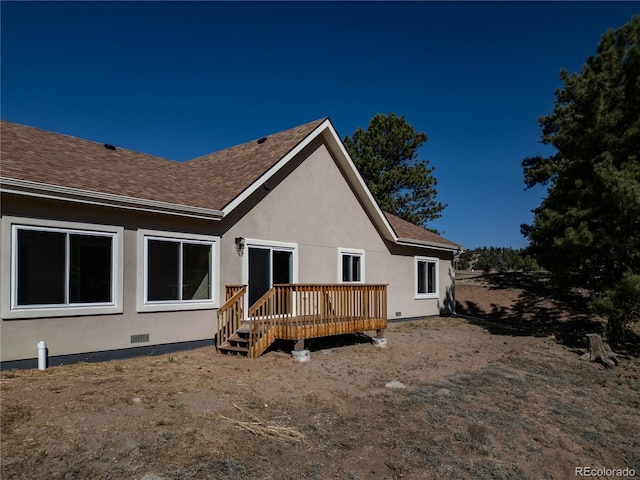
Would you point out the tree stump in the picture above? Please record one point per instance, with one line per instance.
(599, 350)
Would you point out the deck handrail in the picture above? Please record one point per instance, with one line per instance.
(231, 314)
(230, 290)
(297, 311)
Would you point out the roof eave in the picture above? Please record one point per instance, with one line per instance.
(410, 242)
(56, 192)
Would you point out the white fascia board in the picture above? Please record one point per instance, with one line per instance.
(56, 192)
(274, 169)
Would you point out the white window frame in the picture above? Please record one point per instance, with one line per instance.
(144, 305)
(427, 260)
(353, 252)
(9, 269)
(268, 245)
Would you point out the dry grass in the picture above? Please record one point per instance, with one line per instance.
(267, 428)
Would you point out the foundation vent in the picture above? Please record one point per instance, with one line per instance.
(398, 314)
(140, 338)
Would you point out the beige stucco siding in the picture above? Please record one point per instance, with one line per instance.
(314, 208)
(95, 333)
(400, 272)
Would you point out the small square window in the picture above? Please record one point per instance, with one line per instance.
(426, 277)
(351, 266)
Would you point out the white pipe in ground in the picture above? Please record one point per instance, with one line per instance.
(42, 355)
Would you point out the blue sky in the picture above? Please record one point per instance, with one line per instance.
(179, 80)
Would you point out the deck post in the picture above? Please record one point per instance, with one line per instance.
(299, 353)
(380, 340)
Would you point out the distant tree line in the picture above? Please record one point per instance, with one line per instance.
(499, 259)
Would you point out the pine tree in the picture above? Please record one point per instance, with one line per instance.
(587, 229)
(386, 155)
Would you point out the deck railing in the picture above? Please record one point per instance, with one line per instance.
(231, 314)
(230, 290)
(299, 311)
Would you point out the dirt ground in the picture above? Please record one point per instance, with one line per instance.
(502, 395)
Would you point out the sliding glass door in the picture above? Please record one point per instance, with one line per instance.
(268, 266)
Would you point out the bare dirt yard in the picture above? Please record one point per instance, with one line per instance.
(502, 395)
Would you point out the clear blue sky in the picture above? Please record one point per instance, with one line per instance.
(179, 80)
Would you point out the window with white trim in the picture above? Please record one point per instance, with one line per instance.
(178, 270)
(351, 265)
(57, 268)
(62, 267)
(426, 276)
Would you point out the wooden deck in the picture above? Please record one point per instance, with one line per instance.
(297, 312)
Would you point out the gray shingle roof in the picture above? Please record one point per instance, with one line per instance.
(210, 182)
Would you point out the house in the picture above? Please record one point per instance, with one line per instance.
(108, 252)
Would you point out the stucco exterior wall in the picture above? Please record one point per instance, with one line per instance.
(69, 335)
(308, 205)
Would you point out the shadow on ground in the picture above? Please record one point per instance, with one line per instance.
(322, 343)
(538, 309)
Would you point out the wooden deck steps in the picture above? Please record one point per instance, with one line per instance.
(237, 344)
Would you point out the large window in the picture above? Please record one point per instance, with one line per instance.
(426, 277)
(178, 273)
(351, 265)
(62, 268)
(59, 268)
(178, 270)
